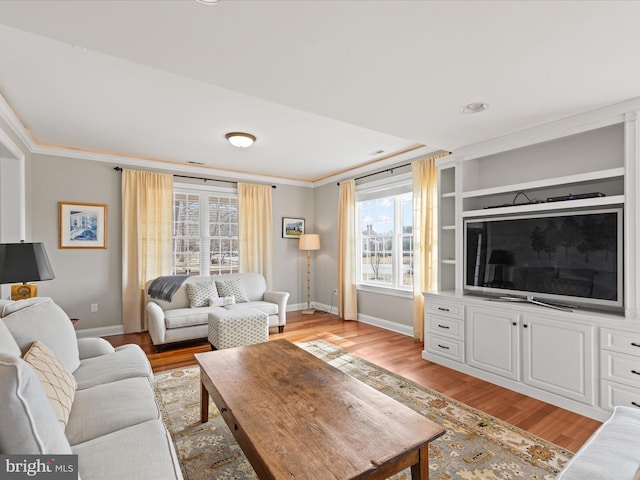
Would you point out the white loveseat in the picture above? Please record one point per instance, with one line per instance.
(113, 423)
(176, 320)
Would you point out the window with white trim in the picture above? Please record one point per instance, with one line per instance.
(205, 231)
(384, 215)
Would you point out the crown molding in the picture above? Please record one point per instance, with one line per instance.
(9, 116)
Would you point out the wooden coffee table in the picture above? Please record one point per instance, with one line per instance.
(297, 417)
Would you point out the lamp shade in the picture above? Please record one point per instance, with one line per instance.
(24, 262)
(309, 241)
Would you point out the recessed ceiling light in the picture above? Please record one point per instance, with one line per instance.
(475, 107)
(240, 139)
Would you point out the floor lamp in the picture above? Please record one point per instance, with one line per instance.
(308, 242)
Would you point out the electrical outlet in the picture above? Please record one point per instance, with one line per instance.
(94, 307)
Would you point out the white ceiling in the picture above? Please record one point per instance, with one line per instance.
(322, 84)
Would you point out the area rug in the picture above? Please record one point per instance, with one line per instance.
(475, 447)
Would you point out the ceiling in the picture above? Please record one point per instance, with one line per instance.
(323, 85)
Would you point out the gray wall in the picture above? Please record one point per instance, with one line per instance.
(84, 277)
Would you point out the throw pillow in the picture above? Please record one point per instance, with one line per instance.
(233, 287)
(29, 424)
(222, 301)
(58, 383)
(200, 293)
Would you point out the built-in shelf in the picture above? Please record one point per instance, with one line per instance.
(546, 183)
(449, 261)
(547, 207)
(449, 195)
(448, 227)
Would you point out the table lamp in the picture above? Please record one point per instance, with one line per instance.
(308, 242)
(24, 262)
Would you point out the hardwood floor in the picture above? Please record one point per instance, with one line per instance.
(402, 355)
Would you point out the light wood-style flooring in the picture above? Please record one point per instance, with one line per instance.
(402, 355)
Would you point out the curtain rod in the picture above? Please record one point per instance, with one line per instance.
(390, 169)
(119, 169)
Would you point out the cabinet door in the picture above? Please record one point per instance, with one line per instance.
(493, 341)
(559, 357)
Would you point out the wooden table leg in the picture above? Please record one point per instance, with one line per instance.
(204, 404)
(420, 471)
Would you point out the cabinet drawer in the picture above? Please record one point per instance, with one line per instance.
(620, 367)
(613, 394)
(446, 347)
(444, 308)
(448, 327)
(620, 341)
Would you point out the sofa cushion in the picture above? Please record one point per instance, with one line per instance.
(265, 307)
(45, 321)
(16, 305)
(8, 345)
(141, 451)
(233, 287)
(200, 293)
(128, 361)
(186, 317)
(29, 424)
(59, 385)
(611, 452)
(109, 407)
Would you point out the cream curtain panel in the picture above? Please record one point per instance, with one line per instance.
(425, 235)
(147, 216)
(347, 294)
(255, 229)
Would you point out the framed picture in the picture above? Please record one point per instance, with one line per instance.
(82, 225)
(292, 227)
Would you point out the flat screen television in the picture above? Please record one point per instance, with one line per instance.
(565, 257)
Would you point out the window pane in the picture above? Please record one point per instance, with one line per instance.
(205, 242)
(407, 260)
(386, 241)
(376, 221)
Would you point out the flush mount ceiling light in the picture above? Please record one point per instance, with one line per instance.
(475, 107)
(240, 139)
(207, 2)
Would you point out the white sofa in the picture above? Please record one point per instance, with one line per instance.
(611, 453)
(113, 423)
(176, 321)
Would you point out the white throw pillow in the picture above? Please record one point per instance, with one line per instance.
(59, 385)
(29, 424)
(222, 301)
(200, 292)
(233, 287)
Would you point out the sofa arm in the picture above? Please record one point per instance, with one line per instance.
(155, 323)
(280, 298)
(93, 347)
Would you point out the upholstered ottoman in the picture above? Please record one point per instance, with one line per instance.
(237, 327)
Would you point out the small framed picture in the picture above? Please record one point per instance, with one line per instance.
(82, 225)
(292, 227)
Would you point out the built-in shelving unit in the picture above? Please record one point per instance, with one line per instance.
(559, 357)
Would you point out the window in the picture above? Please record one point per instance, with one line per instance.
(385, 229)
(205, 232)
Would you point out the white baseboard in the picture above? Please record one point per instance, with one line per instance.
(368, 319)
(386, 324)
(100, 331)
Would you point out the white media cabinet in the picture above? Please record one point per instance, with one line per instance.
(584, 361)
